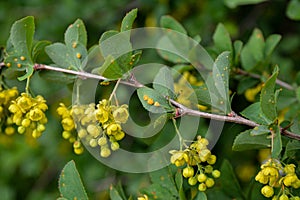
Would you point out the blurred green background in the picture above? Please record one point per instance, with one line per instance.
(30, 169)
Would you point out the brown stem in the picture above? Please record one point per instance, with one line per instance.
(234, 118)
(257, 76)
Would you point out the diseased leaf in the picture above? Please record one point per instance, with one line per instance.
(72, 54)
(170, 23)
(260, 130)
(128, 20)
(70, 185)
(175, 45)
(76, 33)
(222, 39)
(165, 179)
(67, 57)
(246, 141)
(253, 51)
(268, 102)
(221, 72)
(19, 46)
(145, 94)
(21, 36)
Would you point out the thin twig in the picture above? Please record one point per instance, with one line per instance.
(182, 109)
(257, 76)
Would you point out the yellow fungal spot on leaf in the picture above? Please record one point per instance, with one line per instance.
(150, 101)
(8, 64)
(19, 65)
(145, 97)
(78, 55)
(22, 58)
(156, 104)
(16, 59)
(74, 45)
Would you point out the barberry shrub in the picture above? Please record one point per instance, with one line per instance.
(195, 85)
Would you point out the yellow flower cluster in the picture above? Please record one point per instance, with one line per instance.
(274, 175)
(198, 161)
(6, 96)
(28, 114)
(97, 125)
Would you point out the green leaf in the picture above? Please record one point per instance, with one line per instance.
(19, 46)
(221, 72)
(29, 72)
(38, 48)
(203, 95)
(158, 192)
(260, 130)
(169, 22)
(221, 38)
(157, 97)
(293, 145)
(268, 98)
(237, 46)
(179, 185)
(70, 185)
(200, 196)
(175, 45)
(235, 3)
(293, 10)
(246, 141)
(111, 69)
(254, 113)
(114, 194)
(271, 42)
(298, 94)
(66, 56)
(128, 20)
(117, 51)
(76, 33)
(164, 83)
(277, 143)
(165, 179)
(21, 36)
(230, 184)
(253, 51)
(72, 54)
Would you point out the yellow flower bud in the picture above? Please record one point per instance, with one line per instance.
(188, 172)
(216, 173)
(201, 177)
(267, 191)
(105, 152)
(202, 187)
(209, 182)
(192, 181)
